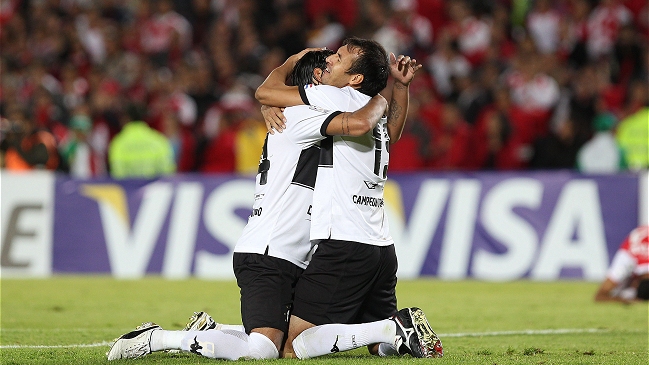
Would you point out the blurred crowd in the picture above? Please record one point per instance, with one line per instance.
(506, 84)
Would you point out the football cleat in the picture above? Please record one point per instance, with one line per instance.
(427, 336)
(134, 344)
(415, 336)
(200, 321)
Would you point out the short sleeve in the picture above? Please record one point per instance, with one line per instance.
(328, 97)
(621, 267)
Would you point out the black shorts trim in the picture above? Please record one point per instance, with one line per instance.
(267, 286)
(347, 282)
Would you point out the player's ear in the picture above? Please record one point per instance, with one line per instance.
(356, 80)
(317, 76)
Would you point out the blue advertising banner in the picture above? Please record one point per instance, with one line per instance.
(175, 226)
(489, 226)
(502, 226)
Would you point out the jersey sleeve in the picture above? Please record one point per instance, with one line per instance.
(328, 97)
(306, 124)
(621, 267)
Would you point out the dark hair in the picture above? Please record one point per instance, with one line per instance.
(302, 73)
(372, 63)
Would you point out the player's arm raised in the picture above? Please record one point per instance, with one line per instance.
(274, 91)
(274, 94)
(359, 122)
(403, 70)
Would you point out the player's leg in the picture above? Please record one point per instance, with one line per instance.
(267, 287)
(381, 301)
(332, 290)
(263, 343)
(201, 321)
(414, 334)
(266, 284)
(221, 344)
(384, 329)
(330, 338)
(149, 337)
(296, 326)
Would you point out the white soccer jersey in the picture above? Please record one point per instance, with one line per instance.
(630, 262)
(280, 219)
(632, 258)
(348, 199)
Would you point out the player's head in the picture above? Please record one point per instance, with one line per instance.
(359, 63)
(309, 69)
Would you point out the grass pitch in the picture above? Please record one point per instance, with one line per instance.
(68, 320)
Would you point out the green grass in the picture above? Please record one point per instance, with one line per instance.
(469, 316)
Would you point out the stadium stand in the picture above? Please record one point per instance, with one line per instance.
(508, 84)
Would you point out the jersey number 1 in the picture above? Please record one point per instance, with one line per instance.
(264, 164)
(378, 150)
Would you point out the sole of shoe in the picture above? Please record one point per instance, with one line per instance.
(427, 337)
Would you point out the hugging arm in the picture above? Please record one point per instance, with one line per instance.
(355, 123)
(274, 91)
(274, 94)
(359, 122)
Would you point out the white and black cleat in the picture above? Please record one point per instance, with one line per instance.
(134, 344)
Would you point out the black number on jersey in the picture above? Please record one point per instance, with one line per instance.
(378, 150)
(326, 152)
(307, 167)
(264, 163)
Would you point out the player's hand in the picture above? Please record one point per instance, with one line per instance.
(296, 57)
(274, 118)
(403, 68)
(307, 50)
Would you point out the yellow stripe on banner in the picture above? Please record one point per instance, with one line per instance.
(393, 197)
(110, 194)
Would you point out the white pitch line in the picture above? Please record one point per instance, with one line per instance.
(60, 329)
(468, 334)
(98, 344)
(525, 332)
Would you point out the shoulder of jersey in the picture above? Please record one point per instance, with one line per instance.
(355, 94)
(329, 94)
(323, 88)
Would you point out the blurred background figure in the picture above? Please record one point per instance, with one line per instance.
(632, 135)
(25, 147)
(138, 151)
(543, 26)
(627, 278)
(77, 152)
(561, 62)
(602, 153)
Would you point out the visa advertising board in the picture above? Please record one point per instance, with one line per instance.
(486, 226)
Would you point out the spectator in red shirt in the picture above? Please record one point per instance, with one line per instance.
(450, 143)
(473, 34)
(604, 24)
